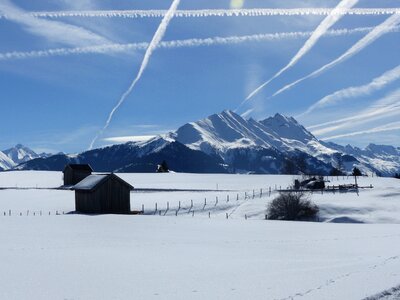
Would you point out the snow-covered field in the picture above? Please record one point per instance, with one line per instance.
(204, 256)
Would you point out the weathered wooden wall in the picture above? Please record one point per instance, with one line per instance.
(111, 197)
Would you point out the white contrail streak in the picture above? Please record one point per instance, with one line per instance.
(378, 31)
(323, 27)
(383, 108)
(388, 127)
(376, 84)
(152, 46)
(254, 12)
(188, 43)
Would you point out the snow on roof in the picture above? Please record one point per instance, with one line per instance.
(90, 182)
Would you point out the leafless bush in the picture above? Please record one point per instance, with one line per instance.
(292, 206)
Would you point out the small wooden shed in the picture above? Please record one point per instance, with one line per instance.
(74, 173)
(103, 194)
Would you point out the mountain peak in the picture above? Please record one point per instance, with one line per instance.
(288, 127)
(19, 154)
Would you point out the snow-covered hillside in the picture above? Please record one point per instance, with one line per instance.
(200, 256)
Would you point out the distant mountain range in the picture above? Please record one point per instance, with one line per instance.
(14, 156)
(224, 143)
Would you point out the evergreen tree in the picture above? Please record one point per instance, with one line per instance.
(356, 172)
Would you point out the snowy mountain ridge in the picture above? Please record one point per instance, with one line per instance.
(220, 134)
(16, 155)
(229, 143)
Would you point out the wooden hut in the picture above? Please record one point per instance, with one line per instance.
(74, 173)
(102, 194)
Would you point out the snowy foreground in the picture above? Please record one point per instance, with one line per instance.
(201, 255)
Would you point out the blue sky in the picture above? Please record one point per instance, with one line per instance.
(58, 103)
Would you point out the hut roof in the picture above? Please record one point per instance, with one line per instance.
(79, 167)
(93, 181)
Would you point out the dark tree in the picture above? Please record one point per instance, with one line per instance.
(292, 206)
(356, 172)
(397, 175)
(339, 162)
(301, 162)
(335, 172)
(289, 167)
(163, 167)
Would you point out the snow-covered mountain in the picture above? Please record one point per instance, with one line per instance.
(382, 159)
(16, 155)
(230, 136)
(5, 162)
(134, 157)
(227, 142)
(19, 154)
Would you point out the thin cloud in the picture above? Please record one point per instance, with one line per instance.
(376, 84)
(125, 139)
(254, 12)
(188, 43)
(322, 28)
(52, 30)
(371, 37)
(162, 28)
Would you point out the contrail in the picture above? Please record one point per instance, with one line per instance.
(378, 31)
(254, 12)
(385, 107)
(388, 127)
(187, 43)
(152, 46)
(323, 27)
(376, 84)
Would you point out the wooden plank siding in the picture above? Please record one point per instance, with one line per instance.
(72, 177)
(112, 196)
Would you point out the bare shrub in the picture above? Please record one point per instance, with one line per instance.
(291, 207)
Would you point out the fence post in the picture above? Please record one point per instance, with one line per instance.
(227, 216)
(237, 197)
(9, 212)
(245, 216)
(167, 206)
(142, 208)
(227, 198)
(253, 194)
(193, 213)
(155, 209)
(245, 195)
(209, 214)
(216, 201)
(27, 212)
(159, 212)
(179, 205)
(269, 192)
(261, 193)
(176, 213)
